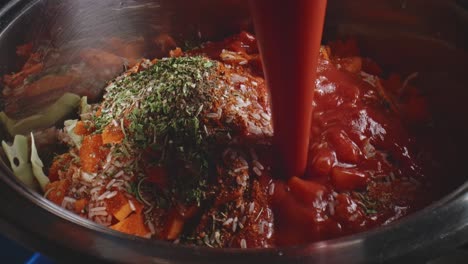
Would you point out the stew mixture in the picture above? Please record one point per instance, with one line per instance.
(179, 148)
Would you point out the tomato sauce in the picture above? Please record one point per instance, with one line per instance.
(366, 166)
(296, 27)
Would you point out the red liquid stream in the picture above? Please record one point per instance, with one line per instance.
(289, 34)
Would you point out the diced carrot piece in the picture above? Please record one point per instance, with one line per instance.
(158, 176)
(348, 179)
(174, 226)
(112, 134)
(80, 205)
(133, 225)
(82, 128)
(59, 163)
(306, 191)
(91, 153)
(119, 206)
(57, 190)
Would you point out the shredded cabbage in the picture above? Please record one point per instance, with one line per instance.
(17, 154)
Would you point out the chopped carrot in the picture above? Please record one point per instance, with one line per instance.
(92, 153)
(119, 206)
(59, 164)
(80, 205)
(133, 225)
(56, 191)
(82, 128)
(112, 134)
(174, 225)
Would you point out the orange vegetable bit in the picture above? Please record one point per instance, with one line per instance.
(174, 225)
(59, 164)
(80, 205)
(83, 128)
(57, 190)
(112, 134)
(119, 206)
(133, 225)
(92, 153)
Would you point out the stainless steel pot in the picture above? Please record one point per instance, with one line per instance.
(428, 36)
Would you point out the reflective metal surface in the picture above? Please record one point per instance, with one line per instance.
(428, 36)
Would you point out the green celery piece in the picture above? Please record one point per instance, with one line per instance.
(46, 118)
(21, 168)
(37, 166)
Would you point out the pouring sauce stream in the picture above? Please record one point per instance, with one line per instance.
(295, 27)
